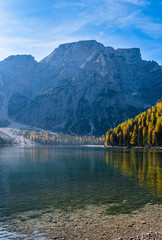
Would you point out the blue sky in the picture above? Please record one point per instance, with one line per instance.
(37, 27)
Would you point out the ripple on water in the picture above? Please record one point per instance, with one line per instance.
(5, 235)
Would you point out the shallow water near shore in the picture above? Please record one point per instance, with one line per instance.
(6, 235)
(41, 179)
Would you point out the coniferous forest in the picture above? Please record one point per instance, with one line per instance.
(144, 130)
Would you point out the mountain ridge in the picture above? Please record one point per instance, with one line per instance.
(80, 88)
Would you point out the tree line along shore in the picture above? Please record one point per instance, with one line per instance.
(144, 130)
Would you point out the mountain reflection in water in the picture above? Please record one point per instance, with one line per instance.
(43, 178)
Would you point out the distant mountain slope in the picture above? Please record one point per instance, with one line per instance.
(80, 88)
(15, 73)
(145, 129)
(4, 140)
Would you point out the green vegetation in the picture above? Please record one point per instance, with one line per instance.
(43, 137)
(145, 129)
(119, 209)
(126, 207)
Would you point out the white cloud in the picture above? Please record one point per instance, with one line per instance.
(137, 2)
(118, 15)
(61, 4)
(152, 29)
(143, 23)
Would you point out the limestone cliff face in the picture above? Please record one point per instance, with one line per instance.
(85, 88)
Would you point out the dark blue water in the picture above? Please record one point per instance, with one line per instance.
(68, 178)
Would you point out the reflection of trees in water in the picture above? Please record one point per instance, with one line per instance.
(141, 164)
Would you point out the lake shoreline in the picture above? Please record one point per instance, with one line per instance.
(81, 146)
(134, 147)
(90, 223)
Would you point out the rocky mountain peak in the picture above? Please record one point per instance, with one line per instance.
(80, 88)
(81, 45)
(79, 50)
(129, 54)
(19, 59)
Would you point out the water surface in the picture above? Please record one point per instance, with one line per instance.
(67, 178)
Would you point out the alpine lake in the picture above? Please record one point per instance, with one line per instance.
(68, 178)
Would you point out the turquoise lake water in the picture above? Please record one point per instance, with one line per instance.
(73, 177)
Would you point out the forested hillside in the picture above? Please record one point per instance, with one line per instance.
(144, 129)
